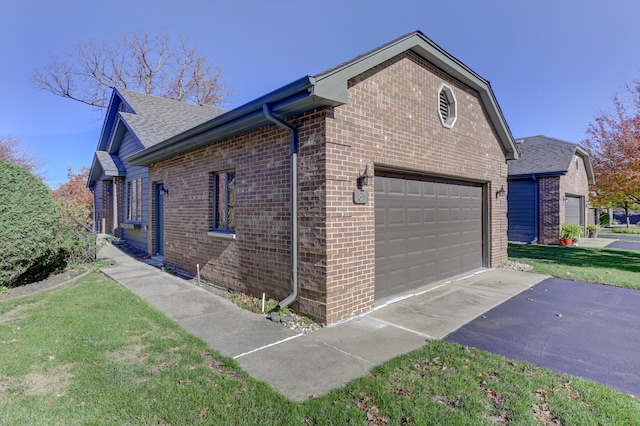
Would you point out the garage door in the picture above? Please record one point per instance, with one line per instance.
(522, 201)
(426, 230)
(572, 209)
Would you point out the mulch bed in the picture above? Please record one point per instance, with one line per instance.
(66, 278)
(132, 251)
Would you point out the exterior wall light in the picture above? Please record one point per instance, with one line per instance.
(360, 196)
(501, 192)
(365, 179)
(164, 190)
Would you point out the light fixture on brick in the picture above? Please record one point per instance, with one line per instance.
(164, 189)
(360, 196)
(501, 192)
(365, 179)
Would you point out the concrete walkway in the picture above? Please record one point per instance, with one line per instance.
(303, 365)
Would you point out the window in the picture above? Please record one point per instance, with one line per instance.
(134, 200)
(224, 200)
(447, 109)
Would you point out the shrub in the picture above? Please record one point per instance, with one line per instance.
(571, 231)
(28, 223)
(76, 240)
(604, 219)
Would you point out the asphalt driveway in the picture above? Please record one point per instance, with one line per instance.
(625, 245)
(583, 329)
(624, 241)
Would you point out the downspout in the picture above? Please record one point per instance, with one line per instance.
(293, 153)
(536, 208)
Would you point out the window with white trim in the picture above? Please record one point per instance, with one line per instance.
(447, 107)
(224, 199)
(134, 200)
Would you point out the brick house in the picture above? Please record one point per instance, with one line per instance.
(548, 186)
(134, 121)
(270, 197)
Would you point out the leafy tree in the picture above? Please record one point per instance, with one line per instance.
(11, 150)
(150, 64)
(28, 224)
(77, 241)
(613, 141)
(74, 199)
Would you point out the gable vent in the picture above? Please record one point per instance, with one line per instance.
(447, 110)
(444, 106)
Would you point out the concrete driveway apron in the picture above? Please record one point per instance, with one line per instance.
(300, 365)
(583, 329)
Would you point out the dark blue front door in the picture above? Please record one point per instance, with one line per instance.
(159, 220)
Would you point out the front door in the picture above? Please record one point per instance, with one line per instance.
(573, 210)
(159, 219)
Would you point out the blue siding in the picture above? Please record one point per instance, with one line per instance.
(98, 203)
(522, 213)
(135, 237)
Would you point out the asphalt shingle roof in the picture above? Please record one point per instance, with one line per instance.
(157, 119)
(111, 164)
(542, 155)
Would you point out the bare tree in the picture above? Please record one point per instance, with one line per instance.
(12, 151)
(151, 64)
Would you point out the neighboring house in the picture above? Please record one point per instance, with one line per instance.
(134, 121)
(548, 186)
(265, 198)
(620, 215)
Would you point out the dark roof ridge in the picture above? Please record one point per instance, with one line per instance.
(330, 88)
(547, 156)
(549, 138)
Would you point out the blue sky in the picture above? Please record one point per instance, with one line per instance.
(553, 64)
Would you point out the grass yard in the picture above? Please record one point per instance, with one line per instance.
(629, 231)
(95, 353)
(608, 266)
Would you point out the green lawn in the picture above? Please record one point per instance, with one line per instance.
(608, 266)
(97, 354)
(629, 231)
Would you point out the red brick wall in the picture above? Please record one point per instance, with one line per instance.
(391, 120)
(550, 210)
(553, 191)
(575, 183)
(107, 205)
(259, 258)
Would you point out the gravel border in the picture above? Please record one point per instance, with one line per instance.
(516, 266)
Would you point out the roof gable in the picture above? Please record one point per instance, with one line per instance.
(542, 155)
(155, 118)
(329, 88)
(150, 119)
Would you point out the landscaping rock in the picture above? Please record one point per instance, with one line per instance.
(275, 317)
(517, 266)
